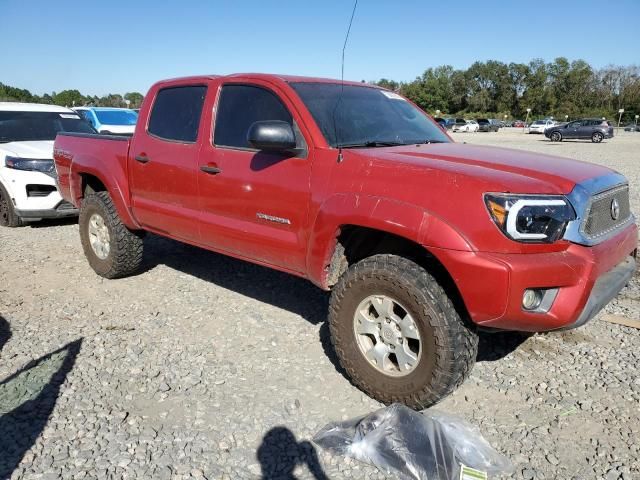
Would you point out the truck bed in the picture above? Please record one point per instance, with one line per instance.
(88, 150)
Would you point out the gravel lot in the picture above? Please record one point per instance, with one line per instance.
(207, 367)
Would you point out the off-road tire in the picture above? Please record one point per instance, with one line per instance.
(8, 217)
(597, 137)
(125, 255)
(449, 347)
(556, 137)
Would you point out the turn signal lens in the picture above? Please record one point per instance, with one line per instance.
(498, 212)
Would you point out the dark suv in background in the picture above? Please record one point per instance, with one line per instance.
(488, 125)
(594, 128)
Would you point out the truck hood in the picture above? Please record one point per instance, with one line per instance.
(32, 149)
(499, 169)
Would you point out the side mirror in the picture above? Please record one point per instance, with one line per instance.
(271, 136)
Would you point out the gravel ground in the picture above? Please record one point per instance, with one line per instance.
(207, 367)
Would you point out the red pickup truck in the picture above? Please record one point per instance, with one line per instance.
(421, 240)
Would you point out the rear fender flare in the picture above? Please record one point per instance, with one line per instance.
(115, 183)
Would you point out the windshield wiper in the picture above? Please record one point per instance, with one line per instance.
(428, 141)
(372, 144)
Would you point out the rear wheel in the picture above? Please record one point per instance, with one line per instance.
(597, 137)
(397, 333)
(556, 137)
(112, 249)
(8, 216)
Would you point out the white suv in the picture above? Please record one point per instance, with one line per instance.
(28, 189)
(539, 126)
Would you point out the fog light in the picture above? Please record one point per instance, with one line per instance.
(531, 299)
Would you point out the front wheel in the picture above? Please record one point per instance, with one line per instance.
(556, 137)
(8, 216)
(397, 334)
(597, 137)
(112, 249)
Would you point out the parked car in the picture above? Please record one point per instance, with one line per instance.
(458, 124)
(470, 126)
(442, 122)
(594, 128)
(539, 126)
(350, 186)
(632, 128)
(28, 189)
(518, 124)
(488, 125)
(110, 121)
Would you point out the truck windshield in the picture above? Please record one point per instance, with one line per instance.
(116, 117)
(365, 116)
(18, 126)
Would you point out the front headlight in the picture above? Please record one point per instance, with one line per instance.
(530, 218)
(31, 165)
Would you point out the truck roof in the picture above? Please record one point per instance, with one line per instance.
(31, 107)
(265, 76)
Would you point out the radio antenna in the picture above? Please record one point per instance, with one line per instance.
(335, 109)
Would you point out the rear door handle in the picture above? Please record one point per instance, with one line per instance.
(211, 170)
(142, 158)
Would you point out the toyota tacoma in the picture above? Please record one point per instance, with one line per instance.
(422, 241)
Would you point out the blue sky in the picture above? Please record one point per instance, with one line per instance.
(118, 46)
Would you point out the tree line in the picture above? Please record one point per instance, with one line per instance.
(70, 98)
(493, 89)
(489, 89)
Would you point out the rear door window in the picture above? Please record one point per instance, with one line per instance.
(176, 113)
(239, 107)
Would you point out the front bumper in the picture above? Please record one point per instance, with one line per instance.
(604, 290)
(587, 278)
(34, 207)
(63, 209)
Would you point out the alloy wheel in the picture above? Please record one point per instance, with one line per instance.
(387, 335)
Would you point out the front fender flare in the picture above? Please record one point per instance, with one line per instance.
(384, 214)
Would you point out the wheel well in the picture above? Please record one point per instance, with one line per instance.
(91, 184)
(355, 243)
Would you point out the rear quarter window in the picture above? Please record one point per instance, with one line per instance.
(176, 112)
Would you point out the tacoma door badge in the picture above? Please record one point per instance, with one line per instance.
(271, 218)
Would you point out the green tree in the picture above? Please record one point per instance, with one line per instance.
(135, 98)
(68, 98)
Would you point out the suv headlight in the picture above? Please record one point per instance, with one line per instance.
(31, 164)
(530, 218)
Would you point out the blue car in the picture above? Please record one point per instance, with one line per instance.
(110, 121)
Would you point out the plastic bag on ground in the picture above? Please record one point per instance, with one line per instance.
(427, 445)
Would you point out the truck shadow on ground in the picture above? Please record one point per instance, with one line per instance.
(282, 290)
(27, 399)
(260, 283)
(53, 222)
(5, 332)
(280, 453)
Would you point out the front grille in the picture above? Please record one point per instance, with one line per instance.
(600, 219)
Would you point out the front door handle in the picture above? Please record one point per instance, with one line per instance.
(142, 158)
(210, 169)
